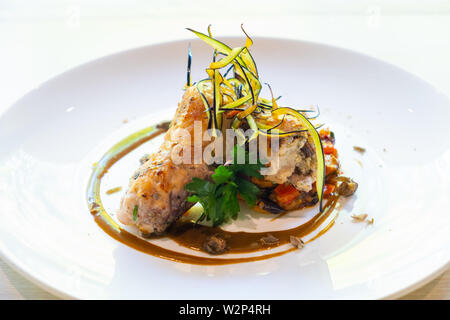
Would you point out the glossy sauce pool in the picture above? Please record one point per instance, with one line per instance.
(188, 234)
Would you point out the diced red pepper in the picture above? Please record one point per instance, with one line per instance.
(328, 148)
(286, 193)
(328, 189)
(324, 134)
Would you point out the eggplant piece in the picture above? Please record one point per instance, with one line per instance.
(269, 206)
(269, 240)
(215, 244)
(347, 187)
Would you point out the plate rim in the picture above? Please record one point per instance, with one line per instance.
(29, 275)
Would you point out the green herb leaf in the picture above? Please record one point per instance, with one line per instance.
(200, 187)
(229, 204)
(135, 213)
(248, 191)
(248, 169)
(219, 198)
(222, 175)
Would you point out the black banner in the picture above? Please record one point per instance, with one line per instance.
(213, 309)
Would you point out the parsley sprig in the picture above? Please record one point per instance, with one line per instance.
(219, 196)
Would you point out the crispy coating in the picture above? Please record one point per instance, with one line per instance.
(157, 187)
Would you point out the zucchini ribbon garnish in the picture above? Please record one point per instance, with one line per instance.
(239, 93)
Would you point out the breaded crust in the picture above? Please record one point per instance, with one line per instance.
(157, 187)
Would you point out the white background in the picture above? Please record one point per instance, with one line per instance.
(40, 39)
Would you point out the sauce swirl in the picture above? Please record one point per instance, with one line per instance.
(188, 234)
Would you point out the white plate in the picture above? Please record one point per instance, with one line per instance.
(50, 138)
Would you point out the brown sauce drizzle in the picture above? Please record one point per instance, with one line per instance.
(192, 236)
(188, 234)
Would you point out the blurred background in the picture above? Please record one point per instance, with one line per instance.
(43, 38)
